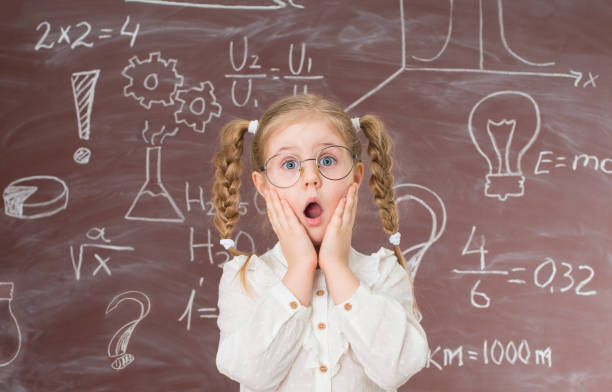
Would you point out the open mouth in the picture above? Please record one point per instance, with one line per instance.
(313, 210)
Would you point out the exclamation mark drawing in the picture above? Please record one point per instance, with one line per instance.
(83, 90)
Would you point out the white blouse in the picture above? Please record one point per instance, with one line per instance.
(271, 342)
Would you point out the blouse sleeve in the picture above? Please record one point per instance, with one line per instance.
(260, 337)
(380, 325)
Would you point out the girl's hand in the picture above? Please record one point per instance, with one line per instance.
(336, 242)
(294, 240)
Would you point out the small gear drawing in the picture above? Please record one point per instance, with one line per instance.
(198, 106)
(152, 80)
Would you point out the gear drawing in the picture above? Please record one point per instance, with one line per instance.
(152, 80)
(198, 106)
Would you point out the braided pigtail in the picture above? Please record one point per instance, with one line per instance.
(381, 183)
(228, 163)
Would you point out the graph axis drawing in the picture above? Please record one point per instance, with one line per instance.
(576, 76)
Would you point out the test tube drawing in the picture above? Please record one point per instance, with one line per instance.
(83, 91)
(153, 201)
(502, 126)
(10, 333)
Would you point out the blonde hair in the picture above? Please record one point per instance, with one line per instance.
(229, 165)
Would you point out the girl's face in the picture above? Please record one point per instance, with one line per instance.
(303, 139)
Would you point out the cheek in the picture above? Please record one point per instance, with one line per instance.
(292, 200)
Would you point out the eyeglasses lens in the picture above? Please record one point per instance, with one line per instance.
(334, 163)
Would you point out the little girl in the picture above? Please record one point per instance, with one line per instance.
(313, 314)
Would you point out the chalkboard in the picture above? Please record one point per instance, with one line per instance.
(110, 116)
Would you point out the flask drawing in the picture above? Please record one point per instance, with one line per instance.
(10, 334)
(153, 202)
(503, 126)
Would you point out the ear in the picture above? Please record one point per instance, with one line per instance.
(259, 180)
(358, 171)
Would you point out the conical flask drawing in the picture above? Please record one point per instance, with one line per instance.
(153, 202)
(10, 334)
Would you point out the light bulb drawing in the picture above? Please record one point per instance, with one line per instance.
(10, 333)
(502, 126)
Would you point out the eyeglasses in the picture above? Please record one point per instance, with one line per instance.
(333, 162)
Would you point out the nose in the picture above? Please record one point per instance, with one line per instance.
(310, 173)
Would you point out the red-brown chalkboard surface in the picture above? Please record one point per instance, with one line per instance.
(110, 114)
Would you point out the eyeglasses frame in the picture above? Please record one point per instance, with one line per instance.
(301, 167)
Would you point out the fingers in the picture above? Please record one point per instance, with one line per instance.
(350, 210)
(344, 214)
(281, 215)
(272, 210)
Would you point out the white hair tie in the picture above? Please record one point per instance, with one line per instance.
(356, 124)
(394, 239)
(253, 126)
(227, 243)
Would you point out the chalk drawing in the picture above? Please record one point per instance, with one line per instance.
(153, 202)
(83, 91)
(575, 76)
(117, 346)
(10, 340)
(496, 139)
(434, 205)
(95, 233)
(198, 106)
(152, 81)
(261, 5)
(47, 196)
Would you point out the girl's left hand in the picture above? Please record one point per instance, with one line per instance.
(334, 249)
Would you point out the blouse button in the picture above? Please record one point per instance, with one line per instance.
(293, 305)
(323, 368)
(320, 293)
(321, 325)
(348, 306)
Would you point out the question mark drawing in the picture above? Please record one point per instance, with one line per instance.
(434, 205)
(119, 342)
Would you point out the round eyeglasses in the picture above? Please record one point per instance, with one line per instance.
(283, 170)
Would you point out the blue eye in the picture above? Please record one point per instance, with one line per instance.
(327, 161)
(290, 164)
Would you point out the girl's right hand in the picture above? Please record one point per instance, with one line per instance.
(294, 240)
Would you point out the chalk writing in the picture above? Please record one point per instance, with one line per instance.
(492, 353)
(209, 246)
(545, 274)
(208, 206)
(84, 34)
(205, 312)
(249, 68)
(95, 233)
(544, 165)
